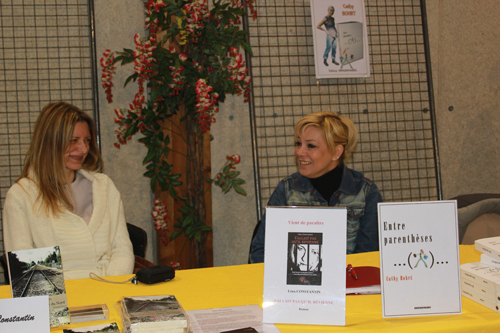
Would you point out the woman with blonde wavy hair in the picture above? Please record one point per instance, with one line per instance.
(323, 141)
(62, 199)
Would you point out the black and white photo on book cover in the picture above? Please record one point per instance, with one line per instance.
(304, 258)
(340, 39)
(110, 327)
(36, 272)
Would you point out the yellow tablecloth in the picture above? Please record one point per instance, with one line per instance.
(243, 285)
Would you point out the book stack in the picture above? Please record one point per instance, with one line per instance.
(154, 314)
(481, 280)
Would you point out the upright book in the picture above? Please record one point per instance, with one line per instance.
(36, 272)
(304, 265)
(419, 259)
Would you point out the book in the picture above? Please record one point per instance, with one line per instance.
(487, 260)
(480, 299)
(489, 246)
(419, 258)
(481, 289)
(79, 314)
(486, 275)
(304, 265)
(304, 258)
(36, 272)
(110, 327)
(153, 313)
(350, 42)
(367, 282)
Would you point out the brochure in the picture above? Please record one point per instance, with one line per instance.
(419, 258)
(247, 318)
(304, 265)
(37, 272)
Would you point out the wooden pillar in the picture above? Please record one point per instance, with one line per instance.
(180, 250)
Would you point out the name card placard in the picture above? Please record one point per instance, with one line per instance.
(26, 314)
(419, 258)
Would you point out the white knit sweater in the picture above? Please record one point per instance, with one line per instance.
(102, 246)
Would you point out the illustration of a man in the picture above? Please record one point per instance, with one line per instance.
(331, 35)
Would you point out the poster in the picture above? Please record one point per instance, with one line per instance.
(305, 265)
(340, 39)
(419, 258)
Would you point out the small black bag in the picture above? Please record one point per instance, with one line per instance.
(154, 274)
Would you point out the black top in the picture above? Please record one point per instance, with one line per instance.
(328, 183)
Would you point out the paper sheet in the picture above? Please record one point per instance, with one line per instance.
(225, 319)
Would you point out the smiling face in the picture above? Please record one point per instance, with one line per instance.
(313, 156)
(77, 150)
(331, 10)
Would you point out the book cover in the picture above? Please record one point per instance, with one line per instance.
(489, 246)
(481, 299)
(487, 260)
(154, 312)
(488, 276)
(304, 258)
(481, 289)
(36, 272)
(419, 259)
(111, 327)
(350, 43)
(304, 265)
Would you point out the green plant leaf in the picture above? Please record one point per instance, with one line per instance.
(175, 234)
(239, 189)
(187, 221)
(238, 181)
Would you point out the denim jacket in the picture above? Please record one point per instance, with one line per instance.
(357, 193)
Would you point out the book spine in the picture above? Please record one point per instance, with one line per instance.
(487, 260)
(487, 249)
(481, 300)
(485, 292)
(480, 279)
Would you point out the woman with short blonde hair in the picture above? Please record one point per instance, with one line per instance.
(62, 200)
(323, 141)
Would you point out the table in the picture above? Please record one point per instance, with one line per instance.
(243, 285)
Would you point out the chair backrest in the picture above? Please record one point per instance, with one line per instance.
(139, 239)
(3, 261)
(478, 216)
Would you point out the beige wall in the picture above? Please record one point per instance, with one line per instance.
(117, 21)
(465, 40)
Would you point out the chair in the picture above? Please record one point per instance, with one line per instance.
(478, 216)
(257, 226)
(139, 239)
(3, 261)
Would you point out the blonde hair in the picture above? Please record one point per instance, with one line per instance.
(337, 130)
(44, 162)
